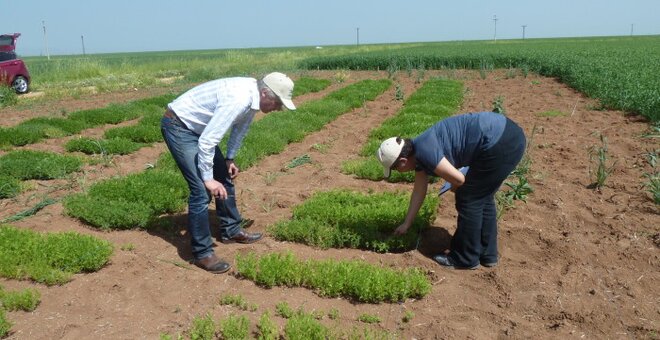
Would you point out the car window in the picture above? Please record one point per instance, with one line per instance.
(4, 56)
(6, 40)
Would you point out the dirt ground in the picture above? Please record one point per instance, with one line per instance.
(575, 262)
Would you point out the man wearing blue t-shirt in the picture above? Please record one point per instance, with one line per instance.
(491, 145)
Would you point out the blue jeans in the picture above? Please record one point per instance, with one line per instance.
(475, 239)
(183, 144)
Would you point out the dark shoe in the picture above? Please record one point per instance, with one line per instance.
(243, 237)
(489, 264)
(212, 264)
(446, 262)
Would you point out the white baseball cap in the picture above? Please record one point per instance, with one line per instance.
(388, 152)
(282, 86)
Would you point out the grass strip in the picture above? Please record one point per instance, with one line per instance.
(34, 130)
(128, 202)
(29, 164)
(49, 258)
(347, 219)
(331, 278)
(435, 100)
(92, 146)
(304, 85)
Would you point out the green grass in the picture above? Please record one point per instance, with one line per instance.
(28, 164)
(356, 280)
(235, 327)
(26, 300)
(91, 146)
(129, 202)
(49, 258)
(346, 219)
(623, 72)
(304, 85)
(435, 100)
(34, 130)
(9, 186)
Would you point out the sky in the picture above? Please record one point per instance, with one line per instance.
(102, 26)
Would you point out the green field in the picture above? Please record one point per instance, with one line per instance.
(623, 72)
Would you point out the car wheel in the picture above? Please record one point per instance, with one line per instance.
(20, 85)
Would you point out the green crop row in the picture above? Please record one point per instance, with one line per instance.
(345, 219)
(435, 100)
(36, 129)
(271, 134)
(355, 280)
(132, 201)
(49, 258)
(622, 72)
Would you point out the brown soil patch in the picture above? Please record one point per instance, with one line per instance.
(575, 262)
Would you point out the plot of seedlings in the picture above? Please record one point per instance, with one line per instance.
(346, 219)
(36, 129)
(355, 280)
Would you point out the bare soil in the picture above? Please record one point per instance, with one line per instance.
(575, 262)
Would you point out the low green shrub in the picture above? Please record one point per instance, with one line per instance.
(136, 133)
(9, 186)
(25, 300)
(356, 280)
(28, 164)
(5, 325)
(49, 258)
(267, 328)
(91, 146)
(235, 327)
(203, 328)
(435, 100)
(304, 326)
(129, 202)
(346, 219)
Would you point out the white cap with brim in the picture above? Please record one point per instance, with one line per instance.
(282, 86)
(388, 152)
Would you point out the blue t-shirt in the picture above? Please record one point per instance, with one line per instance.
(457, 138)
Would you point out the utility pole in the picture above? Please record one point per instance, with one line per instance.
(523, 26)
(82, 39)
(495, 35)
(631, 29)
(358, 35)
(43, 23)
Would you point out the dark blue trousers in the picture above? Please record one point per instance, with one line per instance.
(475, 239)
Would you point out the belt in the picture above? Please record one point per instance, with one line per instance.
(170, 114)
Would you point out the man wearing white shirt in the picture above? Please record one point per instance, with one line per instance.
(193, 126)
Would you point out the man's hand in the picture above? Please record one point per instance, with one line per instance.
(232, 168)
(402, 229)
(216, 188)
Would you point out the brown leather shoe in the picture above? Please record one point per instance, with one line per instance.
(212, 264)
(243, 237)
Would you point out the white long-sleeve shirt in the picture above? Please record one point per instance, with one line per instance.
(211, 108)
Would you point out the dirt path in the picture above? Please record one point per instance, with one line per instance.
(576, 263)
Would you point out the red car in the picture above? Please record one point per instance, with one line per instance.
(13, 71)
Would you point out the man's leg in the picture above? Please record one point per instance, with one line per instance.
(227, 211)
(182, 143)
